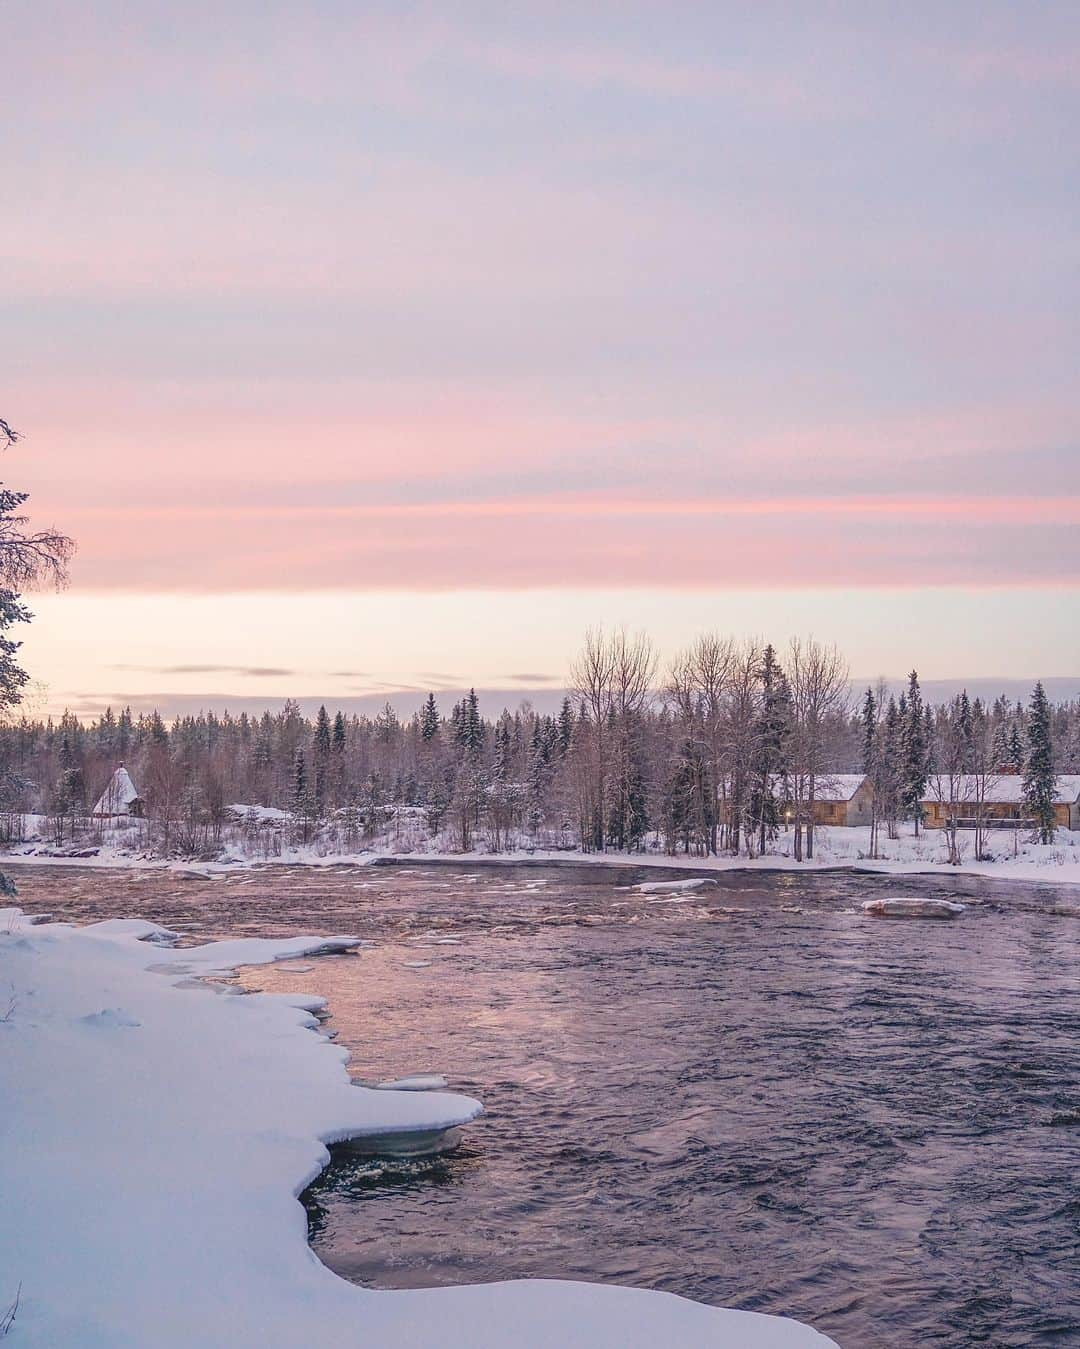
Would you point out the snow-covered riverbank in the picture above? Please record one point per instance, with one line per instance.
(154, 1135)
(1009, 857)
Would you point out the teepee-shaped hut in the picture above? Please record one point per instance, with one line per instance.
(119, 800)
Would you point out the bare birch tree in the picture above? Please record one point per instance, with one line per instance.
(819, 681)
(741, 704)
(590, 680)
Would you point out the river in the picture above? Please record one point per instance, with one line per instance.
(750, 1094)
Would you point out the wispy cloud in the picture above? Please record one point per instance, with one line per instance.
(246, 671)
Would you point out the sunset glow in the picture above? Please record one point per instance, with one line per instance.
(359, 300)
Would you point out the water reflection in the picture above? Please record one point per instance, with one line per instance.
(757, 1097)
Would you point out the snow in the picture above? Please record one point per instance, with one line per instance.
(837, 786)
(911, 906)
(1009, 855)
(1004, 788)
(155, 1138)
(261, 814)
(415, 1082)
(661, 887)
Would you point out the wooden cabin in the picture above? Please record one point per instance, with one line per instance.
(839, 798)
(1004, 803)
(842, 798)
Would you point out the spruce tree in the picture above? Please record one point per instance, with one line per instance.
(429, 720)
(965, 731)
(913, 772)
(868, 726)
(891, 761)
(1040, 781)
(473, 726)
(566, 726)
(322, 734)
(1016, 746)
(871, 761)
(999, 748)
(320, 756)
(771, 738)
(537, 777)
(299, 782)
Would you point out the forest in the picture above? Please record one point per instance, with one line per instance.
(711, 753)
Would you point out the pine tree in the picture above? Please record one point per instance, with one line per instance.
(158, 734)
(1040, 781)
(537, 770)
(429, 720)
(771, 738)
(566, 726)
(320, 756)
(965, 731)
(871, 761)
(913, 768)
(299, 783)
(472, 725)
(868, 725)
(891, 761)
(322, 734)
(1016, 746)
(999, 749)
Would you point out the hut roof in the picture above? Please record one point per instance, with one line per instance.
(119, 796)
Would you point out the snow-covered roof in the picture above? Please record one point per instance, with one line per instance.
(1002, 788)
(837, 786)
(827, 786)
(118, 796)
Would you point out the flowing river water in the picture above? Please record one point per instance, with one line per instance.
(750, 1094)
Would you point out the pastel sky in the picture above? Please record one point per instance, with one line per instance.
(359, 345)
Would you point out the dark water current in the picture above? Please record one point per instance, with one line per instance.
(753, 1096)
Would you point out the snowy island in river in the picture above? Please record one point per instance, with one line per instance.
(157, 1130)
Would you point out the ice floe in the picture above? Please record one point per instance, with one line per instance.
(415, 1082)
(664, 887)
(909, 906)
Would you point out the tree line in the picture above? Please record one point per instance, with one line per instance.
(714, 752)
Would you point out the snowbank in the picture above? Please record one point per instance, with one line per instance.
(154, 1139)
(1009, 856)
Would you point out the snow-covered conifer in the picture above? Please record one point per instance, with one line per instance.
(1040, 781)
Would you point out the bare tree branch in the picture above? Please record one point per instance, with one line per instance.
(28, 559)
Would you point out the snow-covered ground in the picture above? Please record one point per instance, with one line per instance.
(1009, 856)
(155, 1131)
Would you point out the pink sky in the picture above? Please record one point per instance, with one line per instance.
(573, 297)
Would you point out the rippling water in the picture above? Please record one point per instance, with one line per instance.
(751, 1094)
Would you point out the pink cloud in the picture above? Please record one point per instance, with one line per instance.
(864, 542)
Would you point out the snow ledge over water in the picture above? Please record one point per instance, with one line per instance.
(155, 1138)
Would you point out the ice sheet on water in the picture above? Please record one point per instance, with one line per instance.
(414, 1082)
(911, 906)
(664, 887)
